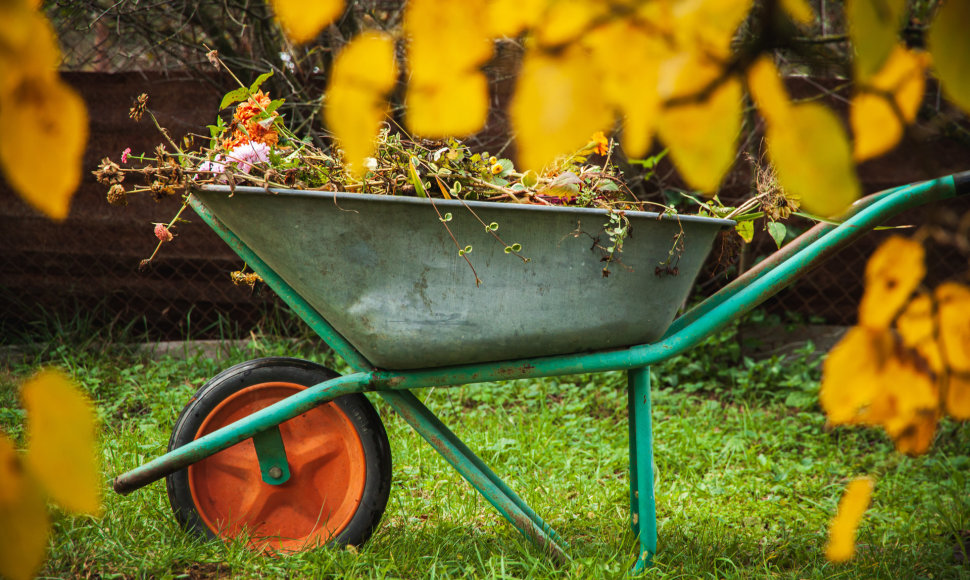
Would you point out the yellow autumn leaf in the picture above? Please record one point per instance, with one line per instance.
(873, 29)
(917, 328)
(893, 272)
(302, 20)
(887, 102)
(61, 447)
(806, 143)
(45, 133)
(852, 373)
(23, 518)
(510, 17)
(448, 42)
(363, 73)
(706, 27)
(18, 31)
(949, 44)
(452, 106)
(445, 38)
(958, 396)
(953, 314)
(565, 21)
(556, 107)
(701, 125)
(842, 530)
(366, 64)
(628, 57)
(799, 10)
(813, 157)
(768, 91)
(916, 436)
(905, 404)
(31, 49)
(657, 16)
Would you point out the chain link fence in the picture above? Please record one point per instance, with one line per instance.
(85, 270)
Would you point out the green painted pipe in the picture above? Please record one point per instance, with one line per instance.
(239, 431)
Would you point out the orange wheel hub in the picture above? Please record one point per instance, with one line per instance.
(327, 476)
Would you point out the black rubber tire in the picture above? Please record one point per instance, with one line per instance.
(359, 410)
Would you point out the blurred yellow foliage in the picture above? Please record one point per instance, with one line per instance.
(628, 56)
(60, 463)
(894, 376)
(873, 29)
(363, 74)
(700, 133)
(904, 366)
(796, 132)
(447, 43)
(45, 121)
(663, 68)
(842, 530)
(303, 19)
(555, 107)
(887, 102)
(23, 517)
(799, 10)
(949, 44)
(892, 274)
(61, 431)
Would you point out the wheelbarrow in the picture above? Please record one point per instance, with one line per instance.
(291, 455)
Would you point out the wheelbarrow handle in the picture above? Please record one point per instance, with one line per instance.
(961, 183)
(899, 199)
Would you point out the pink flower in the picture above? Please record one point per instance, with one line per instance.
(249, 154)
(163, 233)
(242, 156)
(214, 165)
(124, 154)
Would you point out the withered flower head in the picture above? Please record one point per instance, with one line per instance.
(163, 233)
(170, 171)
(109, 173)
(240, 278)
(117, 195)
(158, 190)
(213, 56)
(138, 108)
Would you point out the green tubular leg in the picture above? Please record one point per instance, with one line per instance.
(643, 505)
(473, 469)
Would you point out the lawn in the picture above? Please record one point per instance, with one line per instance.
(747, 476)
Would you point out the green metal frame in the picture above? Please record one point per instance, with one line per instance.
(744, 294)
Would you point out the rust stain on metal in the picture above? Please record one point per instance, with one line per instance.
(124, 485)
(514, 371)
(530, 530)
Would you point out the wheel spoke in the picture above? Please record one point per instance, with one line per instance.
(320, 444)
(261, 499)
(318, 462)
(237, 465)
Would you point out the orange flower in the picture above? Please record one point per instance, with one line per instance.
(253, 106)
(247, 128)
(601, 143)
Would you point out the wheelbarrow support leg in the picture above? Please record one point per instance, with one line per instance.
(643, 506)
(473, 469)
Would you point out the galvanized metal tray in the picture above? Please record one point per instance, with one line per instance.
(386, 274)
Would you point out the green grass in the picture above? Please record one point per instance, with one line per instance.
(747, 478)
